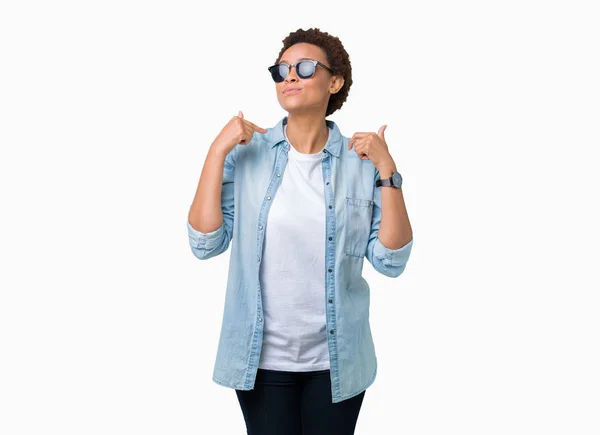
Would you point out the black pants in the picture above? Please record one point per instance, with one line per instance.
(297, 403)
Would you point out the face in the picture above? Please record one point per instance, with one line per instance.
(315, 91)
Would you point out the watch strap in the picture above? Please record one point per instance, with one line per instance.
(389, 182)
(383, 182)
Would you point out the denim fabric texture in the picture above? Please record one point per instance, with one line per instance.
(251, 176)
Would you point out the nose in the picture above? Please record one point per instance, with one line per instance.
(291, 75)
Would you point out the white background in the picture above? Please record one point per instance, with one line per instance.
(109, 324)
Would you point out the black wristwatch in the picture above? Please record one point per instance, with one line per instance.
(394, 181)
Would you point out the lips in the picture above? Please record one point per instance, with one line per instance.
(291, 90)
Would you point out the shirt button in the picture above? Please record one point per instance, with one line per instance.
(257, 258)
(331, 238)
(259, 319)
(327, 182)
(330, 206)
(330, 301)
(278, 174)
(269, 198)
(331, 332)
(260, 227)
(325, 151)
(329, 270)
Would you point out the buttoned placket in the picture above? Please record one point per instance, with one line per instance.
(280, 164)
(330, 230)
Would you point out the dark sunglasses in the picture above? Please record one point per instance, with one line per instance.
(305, 69)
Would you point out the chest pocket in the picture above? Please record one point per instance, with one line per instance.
(358, 226)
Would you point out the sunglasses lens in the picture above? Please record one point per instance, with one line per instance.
(278, 72)
(305, 69)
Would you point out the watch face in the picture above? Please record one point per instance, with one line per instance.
(397, 179)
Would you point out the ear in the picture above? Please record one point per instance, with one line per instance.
(336, 84)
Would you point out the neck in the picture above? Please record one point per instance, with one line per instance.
(308, 132)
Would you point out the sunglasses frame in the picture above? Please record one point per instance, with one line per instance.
(314, 63)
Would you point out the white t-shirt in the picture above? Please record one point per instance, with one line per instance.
(292, 270)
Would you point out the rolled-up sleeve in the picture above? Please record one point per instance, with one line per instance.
(389, 262)
(211, 244)
(201, 243)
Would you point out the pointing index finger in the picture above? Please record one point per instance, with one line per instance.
(256, 127)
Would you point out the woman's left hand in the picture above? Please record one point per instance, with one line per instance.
(371, 146)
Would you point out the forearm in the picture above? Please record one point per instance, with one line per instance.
(205, 213)
(394, 230)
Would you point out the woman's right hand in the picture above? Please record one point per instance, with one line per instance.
(237, 131)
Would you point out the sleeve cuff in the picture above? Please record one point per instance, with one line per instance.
(198, 239)
(392, 257)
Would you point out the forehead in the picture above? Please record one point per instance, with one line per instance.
(303, 50)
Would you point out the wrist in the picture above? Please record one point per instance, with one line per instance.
(386, 170)
(217, 151)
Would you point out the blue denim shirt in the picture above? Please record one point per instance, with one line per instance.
(251, 175)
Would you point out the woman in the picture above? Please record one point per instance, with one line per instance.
(302, 206)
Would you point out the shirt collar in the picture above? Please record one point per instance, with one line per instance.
(276, 135)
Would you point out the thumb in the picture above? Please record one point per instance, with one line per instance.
(381, 130)
(240, 114)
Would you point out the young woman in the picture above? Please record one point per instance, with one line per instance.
(302, 206)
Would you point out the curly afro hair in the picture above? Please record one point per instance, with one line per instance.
(337, 57)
